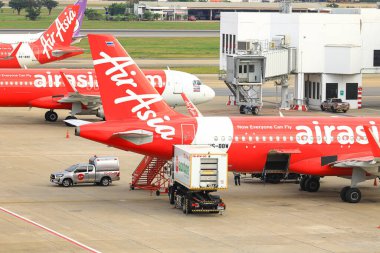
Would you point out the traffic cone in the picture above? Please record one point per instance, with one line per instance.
(67, 134)
(375, 182)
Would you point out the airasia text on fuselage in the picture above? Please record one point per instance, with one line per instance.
(85, 80)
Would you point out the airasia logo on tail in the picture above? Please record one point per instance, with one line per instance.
(120, 76)
(48, 43)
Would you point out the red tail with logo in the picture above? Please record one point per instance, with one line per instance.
(126, 92)
(60, 32)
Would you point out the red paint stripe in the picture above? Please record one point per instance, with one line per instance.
(81, 245)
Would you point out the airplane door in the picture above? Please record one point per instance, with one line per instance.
(188, 133)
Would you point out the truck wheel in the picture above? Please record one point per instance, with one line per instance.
(67, 182)
(242, 109)
(255, 110)
(158, 193)
(105, 181)
(171, 196)
(322, 108)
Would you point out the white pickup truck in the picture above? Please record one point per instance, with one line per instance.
(99, 170)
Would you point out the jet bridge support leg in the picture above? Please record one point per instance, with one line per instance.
(351, 194)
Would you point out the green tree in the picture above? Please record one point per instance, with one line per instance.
(49, 4)
(92, 14)
(1, 4)
(33, 9)
(33, 13)
(18, 5)
(117, 9)
(148, 15)
(156, 16)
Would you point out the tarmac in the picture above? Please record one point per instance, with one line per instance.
(36, 216)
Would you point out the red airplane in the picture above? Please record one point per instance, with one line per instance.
(139, 120)
(53, 45)
(44, 88)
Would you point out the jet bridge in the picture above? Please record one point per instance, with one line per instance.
(255, 63)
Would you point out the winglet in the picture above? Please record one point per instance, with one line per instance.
(70, 87)
(193, 110)
(373, 142)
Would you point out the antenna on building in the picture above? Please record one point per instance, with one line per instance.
(286, 6)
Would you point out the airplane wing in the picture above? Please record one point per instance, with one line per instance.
(77, 122)
(370, 164)
(74, 96)
(13, 54)
(193, 110)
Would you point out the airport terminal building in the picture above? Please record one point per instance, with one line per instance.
(327, 52)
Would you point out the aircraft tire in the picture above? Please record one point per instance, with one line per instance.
(353, 195)
(312, 184)
(303, 183)
(51, 116)
(343, 193)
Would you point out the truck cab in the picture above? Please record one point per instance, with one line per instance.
(99, 170)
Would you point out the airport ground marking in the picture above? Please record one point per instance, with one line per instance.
(51, 231)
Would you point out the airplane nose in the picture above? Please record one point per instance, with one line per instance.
(209, 93)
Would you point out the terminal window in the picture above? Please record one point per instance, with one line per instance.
(376, 58)
(351, 91)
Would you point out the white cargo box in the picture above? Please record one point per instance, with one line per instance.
(200, 167)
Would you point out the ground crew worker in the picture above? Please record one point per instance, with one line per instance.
(237, 178)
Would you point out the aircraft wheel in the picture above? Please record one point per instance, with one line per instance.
(303, 183)
(51, 116)
(343, 193)
(353, 195)
(312, 184)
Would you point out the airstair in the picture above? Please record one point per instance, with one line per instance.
(150, 175)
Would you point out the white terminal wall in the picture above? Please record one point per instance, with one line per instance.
(308, 32)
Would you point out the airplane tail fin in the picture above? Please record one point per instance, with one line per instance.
(60, 32)
(82, 8)
(124, 89)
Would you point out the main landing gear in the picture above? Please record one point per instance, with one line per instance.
(352, 194)
(309, 183)
(51, 116)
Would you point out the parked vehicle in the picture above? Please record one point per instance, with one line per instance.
(99, 170)
(197, 171)
(335, 105)
(192, 18)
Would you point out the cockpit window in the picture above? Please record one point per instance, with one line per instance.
(197, 82)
